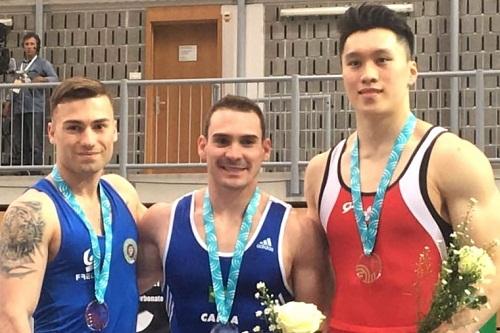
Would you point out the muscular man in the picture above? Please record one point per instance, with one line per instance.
(394, 187)
(68, 245)
(230, 221)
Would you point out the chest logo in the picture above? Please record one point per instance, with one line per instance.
(130, 250)
(266, 244)
(348, 206)
(88, 261)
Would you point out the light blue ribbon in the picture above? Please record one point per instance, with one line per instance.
(224, 297)
(101, 276)
(368, 230)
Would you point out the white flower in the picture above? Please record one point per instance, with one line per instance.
(299, 317)
(261, 285)
(258, 313)
(458, 287)
(475, 259)
(256, 329)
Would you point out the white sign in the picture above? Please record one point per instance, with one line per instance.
(188, 52)
(134, 75)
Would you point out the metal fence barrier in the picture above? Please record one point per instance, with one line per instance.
(160, 120)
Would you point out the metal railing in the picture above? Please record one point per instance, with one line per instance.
(159, 120)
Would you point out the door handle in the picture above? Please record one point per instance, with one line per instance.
(158, 102)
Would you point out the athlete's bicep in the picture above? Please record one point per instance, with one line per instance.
(312, 184)
(312, 275)
(21, 239)
(153, 228)
(23, 258)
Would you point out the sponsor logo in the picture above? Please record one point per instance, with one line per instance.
(266, 244)
(88, 261)
(152, 299)
(348, 206)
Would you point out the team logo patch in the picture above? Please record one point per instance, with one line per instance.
(130, 250)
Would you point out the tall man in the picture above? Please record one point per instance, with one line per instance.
(196, 245)
(27, 107)
(394, 187)
(68, 245)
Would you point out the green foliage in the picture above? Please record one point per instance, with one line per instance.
(457, 288)
(454, 291)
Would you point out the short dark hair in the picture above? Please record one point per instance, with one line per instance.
(235, 103)
(77, 88)
(369, 16)
(29, 35)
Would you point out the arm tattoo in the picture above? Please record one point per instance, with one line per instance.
(20, 236)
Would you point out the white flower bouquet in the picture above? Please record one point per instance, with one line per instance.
(291, 317)
(462, 271)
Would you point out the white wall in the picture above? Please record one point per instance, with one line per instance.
(254, 64)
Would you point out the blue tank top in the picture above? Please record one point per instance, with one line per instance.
(188, 283)
(68, 284)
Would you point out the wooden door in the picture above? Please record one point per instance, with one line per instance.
(184, 44)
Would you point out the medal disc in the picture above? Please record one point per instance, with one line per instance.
(224, 328)
(96, 316)
(369, 268)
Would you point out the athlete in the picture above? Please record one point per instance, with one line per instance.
(211, 247)
(68, 245)
(395, 188)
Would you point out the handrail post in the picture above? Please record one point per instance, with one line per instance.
(328, 122)
(294, 137)
(39, 24)
(454, 63)
(123, 135)
(480, 109)
(241, 35)
(216, 92)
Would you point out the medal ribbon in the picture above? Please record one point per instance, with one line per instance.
(25, 69)
(224, 297)
(368, 225)
(101, 276)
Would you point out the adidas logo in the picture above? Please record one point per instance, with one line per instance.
(266, 244)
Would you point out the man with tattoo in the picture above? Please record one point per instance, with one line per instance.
(68, 245)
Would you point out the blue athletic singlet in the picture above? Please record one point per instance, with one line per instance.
(68, 284)
(188, 284)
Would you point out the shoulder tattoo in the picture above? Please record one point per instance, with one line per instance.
(21, 234)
